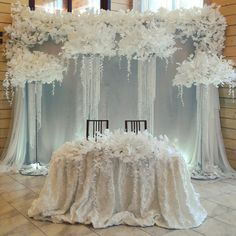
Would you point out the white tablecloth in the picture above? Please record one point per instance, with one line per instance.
(121, 179)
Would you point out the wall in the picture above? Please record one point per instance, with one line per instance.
(117, 5)
(5, 109)
(227, 104)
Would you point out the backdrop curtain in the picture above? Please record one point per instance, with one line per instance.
(99, 88)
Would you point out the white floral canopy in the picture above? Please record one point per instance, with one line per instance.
(46, 48)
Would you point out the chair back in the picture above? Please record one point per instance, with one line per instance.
(93, 127)
(135, 125)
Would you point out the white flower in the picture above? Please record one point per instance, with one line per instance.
(205, 69)
(131, 34)
(25, 66)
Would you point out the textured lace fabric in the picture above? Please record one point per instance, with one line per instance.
(123, 178)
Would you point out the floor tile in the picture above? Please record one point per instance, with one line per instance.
(30, 181)
(67, 230)
(39, 223)
(155, 230)
(17, 193)
(229, 218)
(227, 200)
(26, 230)
(19, 196)
(5, 179)
(213, 227)
(121, 230)
(7, 211)
(230, 181)
(214, 209)
(18, 225)
(184, 233)
(5, 188)
(23, 206)
(210, 189)
(2, 201)
(36, 189)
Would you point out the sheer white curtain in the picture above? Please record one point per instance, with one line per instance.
(153, 5)
(205, 154)
(194, 127)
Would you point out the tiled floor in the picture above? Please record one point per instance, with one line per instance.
(17, 192)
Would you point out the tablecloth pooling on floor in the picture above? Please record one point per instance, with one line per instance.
(121, 179)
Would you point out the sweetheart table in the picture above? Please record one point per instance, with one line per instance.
(122, 178)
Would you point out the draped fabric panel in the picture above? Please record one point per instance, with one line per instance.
(101, 88)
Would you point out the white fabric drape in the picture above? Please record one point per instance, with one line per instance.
(194, 128)
(14, 156)
(91, 80)
(147, 91)
(209, 157)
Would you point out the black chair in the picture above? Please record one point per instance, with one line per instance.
(135, 125)
(95, 126)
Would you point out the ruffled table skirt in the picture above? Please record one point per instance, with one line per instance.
(90, 183)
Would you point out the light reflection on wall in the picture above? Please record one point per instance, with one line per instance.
(86, 5)
(171, 4)
(52, 6)
(61, 5)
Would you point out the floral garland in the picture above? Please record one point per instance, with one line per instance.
(131, 34)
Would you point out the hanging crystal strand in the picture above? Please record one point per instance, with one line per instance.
(151, 91)
(140, 89)
(147, 91)
(231, 92)
(120, 59)
(91, 79)
(180, 94)
(38, 104)
(97, 80)
(101, 67)
(83, 76)
(7, 86)
(67, 63)
(12, 95)
(205, 126)
(6, 90)
(75, 65)
(31, 114)
(91, 88)
(82, 67)
(128, 67)
(53, 88)
(9, 91)
(167, 62)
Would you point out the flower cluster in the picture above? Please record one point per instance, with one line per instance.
(126, 146)
(28, 66)
(205, 69)
(131, 34)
